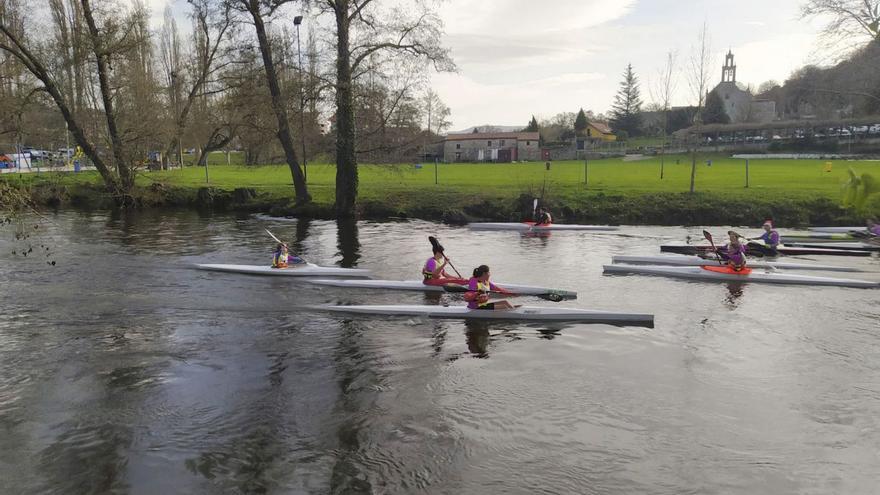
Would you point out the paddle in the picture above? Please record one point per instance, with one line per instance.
(436, 245)
(547, 296)
(708, 237)
(534, 209)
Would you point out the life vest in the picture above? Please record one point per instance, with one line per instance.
(279, 260)
(429, 274)
(482, 288)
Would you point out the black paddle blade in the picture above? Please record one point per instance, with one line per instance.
(551, 296)
(707, 235)
(435, 243)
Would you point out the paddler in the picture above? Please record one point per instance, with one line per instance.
(434, 271)
(734, 252)
(873, 227)
(282, 258)
(542, 217)
(479, 288)
(770, 236)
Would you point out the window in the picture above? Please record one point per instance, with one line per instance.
(489, 143)
(458, 146)
(528, 143)
(502, 143)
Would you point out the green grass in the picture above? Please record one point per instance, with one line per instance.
(767, 178)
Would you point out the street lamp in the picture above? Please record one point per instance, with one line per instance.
(302, 100)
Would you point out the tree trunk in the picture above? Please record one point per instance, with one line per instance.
(284, 136)
(693, 167)
(126, 177)
(346, 160)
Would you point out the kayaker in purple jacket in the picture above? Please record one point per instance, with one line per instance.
(734, 252)
(770, 236)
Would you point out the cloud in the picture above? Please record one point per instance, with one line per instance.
(510, 19)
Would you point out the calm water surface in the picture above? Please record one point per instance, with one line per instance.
(124, 370)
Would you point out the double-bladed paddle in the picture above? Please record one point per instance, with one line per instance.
(436, 245)
(547, 296)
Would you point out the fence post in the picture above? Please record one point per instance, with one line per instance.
(747, 173)
(436, 178)
(586, 172)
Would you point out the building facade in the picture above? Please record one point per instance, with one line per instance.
(739, 104)
(500, 147)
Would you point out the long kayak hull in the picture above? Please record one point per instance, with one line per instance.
(417, 285)
(697, 249)
(846, 246)
(681, 260)
(306, 270)
(818, 238)
(839, 230)
(522, 313)
(528, 227)
(698, 273)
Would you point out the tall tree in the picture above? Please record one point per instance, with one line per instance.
(436, 111)
(626, 110)
(533, 125)
(580, 123)
(260, 11)
(715, 112)
(414, 34)
(664, 89)
(698, 78)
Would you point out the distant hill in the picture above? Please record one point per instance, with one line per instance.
(490, 128)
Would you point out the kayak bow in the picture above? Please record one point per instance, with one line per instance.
(681, 260)
(529, 226)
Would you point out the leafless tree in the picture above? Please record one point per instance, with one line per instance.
(664, 88)
(850, 23)
(362, 30)
(699, 72)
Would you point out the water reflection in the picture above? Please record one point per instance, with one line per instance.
(300, 235)
(734, 294)
(347, 242)
(477, 336)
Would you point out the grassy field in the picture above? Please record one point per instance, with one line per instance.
(767, 178)
(616, 190)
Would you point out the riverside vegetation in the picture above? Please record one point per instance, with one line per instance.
(614, 191)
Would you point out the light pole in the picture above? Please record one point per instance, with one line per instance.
(302, 100)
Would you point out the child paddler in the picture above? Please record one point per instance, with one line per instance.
(479, 288)
(542, 217)
(282, 258)
(733, 252)
(434, 271)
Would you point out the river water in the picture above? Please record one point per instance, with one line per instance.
(124, 370)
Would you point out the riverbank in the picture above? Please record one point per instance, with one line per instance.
(792, 192)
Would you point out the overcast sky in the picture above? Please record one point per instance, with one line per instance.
(522, 57)
(517, 58)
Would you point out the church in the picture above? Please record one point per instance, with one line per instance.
(739, 103)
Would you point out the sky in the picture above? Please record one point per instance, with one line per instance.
(518, 58)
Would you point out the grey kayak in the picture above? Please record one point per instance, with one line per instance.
(528, 227)
(522, 313)
(696, 261)
(699, 273)
(304, 270)
(417, 285)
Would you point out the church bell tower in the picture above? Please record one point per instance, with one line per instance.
(728, 72)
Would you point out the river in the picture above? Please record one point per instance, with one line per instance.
(124, 370)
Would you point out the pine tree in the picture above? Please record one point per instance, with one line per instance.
(627, 108)
(714, 112)
(580, 123)
(533, 125)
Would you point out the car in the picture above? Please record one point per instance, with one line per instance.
(776, 137)
(874, 129)
(845, 133)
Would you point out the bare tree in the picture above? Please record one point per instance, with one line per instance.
(849, 23)
(260, 11)
(436, 111)
(414, 33)
(700, 68)
(664, 88)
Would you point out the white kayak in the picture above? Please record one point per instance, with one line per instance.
(302, 270)
(697, 261)
(529, 227)
(525, 313)
(417, 285)
(838, 230)
(700, 273)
